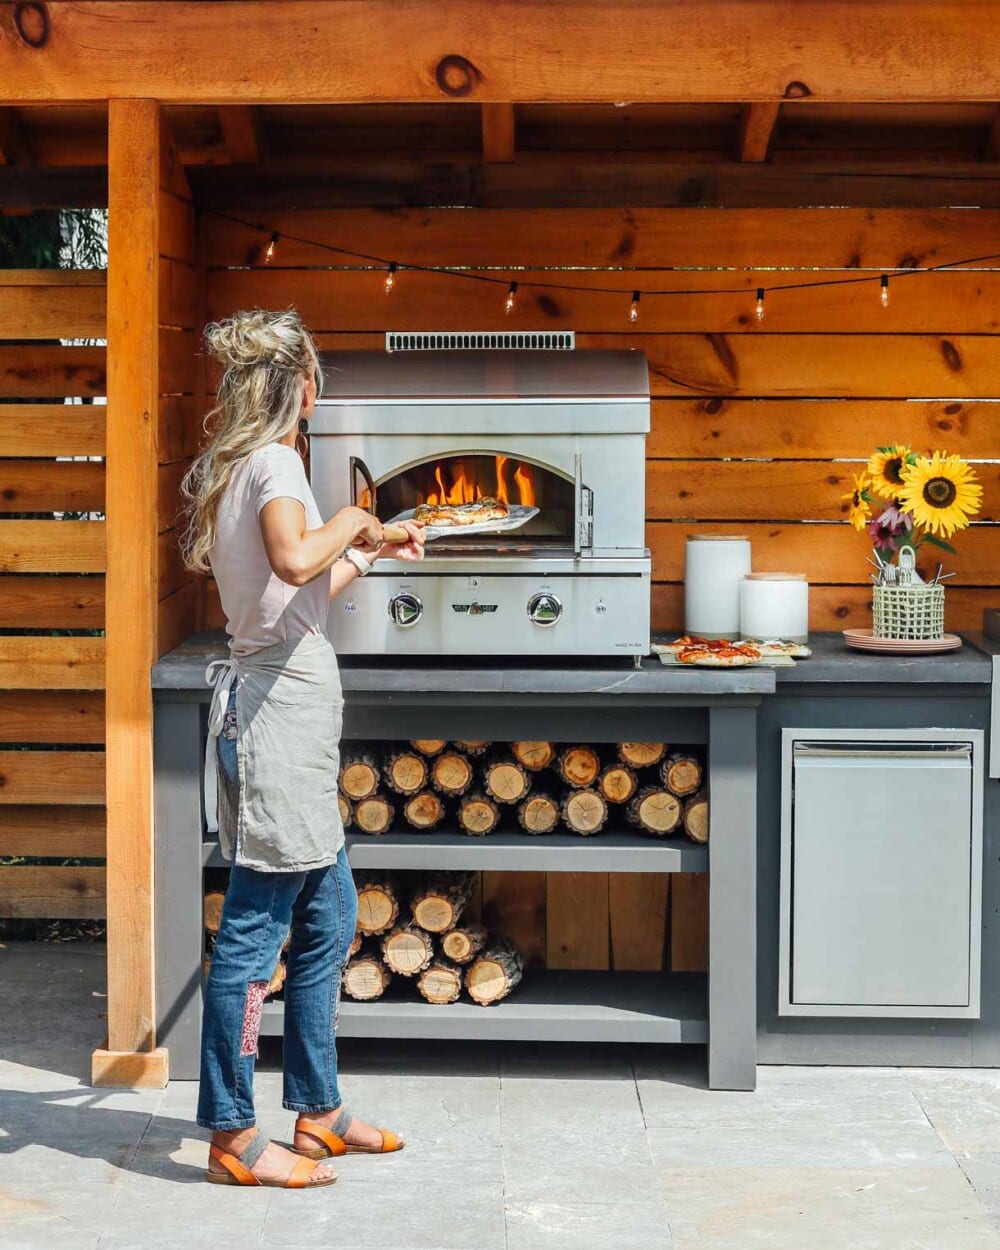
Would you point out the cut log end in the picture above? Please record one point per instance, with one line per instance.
(507, 781)
(366, 978)
(378, 905)
(696, 817)
(579, 766)
(438, 904)
(424, 810)
(539, 814)
(463, 944)
(641, 754)
(533, 755)
(478, 814)
(452, 773)
(494, 973)
(374, 815)
(407, 950)
(429, 746)
(359, 776)
(406, 773)
(470, 747)
(618, 783)
(585, 812)
(682, 775)
(441, 982)
(655, 810)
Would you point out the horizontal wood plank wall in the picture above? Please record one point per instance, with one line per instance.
(52, 774)
(181, 315)
(754, 424)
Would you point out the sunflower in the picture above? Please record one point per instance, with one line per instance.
(859, 510)
(885, 468)
(941, 492)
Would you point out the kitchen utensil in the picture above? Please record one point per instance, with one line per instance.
(518, 514)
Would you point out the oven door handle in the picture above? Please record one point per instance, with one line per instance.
(583, 509)
(358, 466)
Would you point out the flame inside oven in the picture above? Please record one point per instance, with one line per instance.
(461, 479)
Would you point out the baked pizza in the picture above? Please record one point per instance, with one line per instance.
(728, 655)
(477, 513)
(776, 646)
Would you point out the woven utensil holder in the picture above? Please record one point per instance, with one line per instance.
(908, 612)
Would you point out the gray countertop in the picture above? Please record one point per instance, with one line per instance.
(831, 662)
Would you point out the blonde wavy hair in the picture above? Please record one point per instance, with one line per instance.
(265, 356)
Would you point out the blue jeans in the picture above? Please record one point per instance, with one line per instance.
(320, 908)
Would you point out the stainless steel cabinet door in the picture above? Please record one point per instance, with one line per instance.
(881, 876)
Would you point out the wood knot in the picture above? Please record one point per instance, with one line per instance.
(713, 406)
(951, 356)
(32, 23)
(456, 76)
(842, 612)
(953, 410)
(9, 492)
(796, 90)
(548, 305)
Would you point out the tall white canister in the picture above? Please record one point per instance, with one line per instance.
(775, 605)
(714, 568)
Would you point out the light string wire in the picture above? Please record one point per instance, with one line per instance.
(398, 267)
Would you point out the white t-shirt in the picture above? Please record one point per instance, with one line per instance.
(260, 608)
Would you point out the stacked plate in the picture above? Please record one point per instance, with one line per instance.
(865, 640)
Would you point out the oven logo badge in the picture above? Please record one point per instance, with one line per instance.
(475, 608)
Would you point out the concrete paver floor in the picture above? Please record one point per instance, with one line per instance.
(510, 1148)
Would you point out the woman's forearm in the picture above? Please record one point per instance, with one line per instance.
(342, 573)
(299, 555)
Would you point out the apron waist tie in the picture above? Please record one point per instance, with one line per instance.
(220, 675)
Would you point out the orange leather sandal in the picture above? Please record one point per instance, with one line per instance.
(334, 1145)
(238, 1168)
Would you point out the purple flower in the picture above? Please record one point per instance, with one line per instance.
(893, 519)
(883, 537)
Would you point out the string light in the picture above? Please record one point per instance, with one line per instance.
(472, 276)
(633, 312)
(511, 300)
(390, 277)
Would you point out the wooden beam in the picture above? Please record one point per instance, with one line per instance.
(756, 128)
(133, 249)
(14, 147)
(24, 190)
(584, 181)
(498, 133)
(474, 50)
(241, 133)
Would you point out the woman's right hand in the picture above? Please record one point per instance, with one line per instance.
(369, 536)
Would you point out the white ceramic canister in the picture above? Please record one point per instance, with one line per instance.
(714, 568)
(775, 605)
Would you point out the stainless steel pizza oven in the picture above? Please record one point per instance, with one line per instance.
(563, 432)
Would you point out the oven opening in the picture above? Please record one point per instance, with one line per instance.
(472, 476)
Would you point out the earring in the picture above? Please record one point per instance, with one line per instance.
(302, 439)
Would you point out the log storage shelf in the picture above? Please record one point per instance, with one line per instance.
(593, 796)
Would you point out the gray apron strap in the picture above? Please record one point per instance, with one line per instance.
(220, 675)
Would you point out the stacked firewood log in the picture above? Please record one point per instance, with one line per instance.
(425, 940)
(540, 787)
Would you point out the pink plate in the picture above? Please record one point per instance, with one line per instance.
(864, 640)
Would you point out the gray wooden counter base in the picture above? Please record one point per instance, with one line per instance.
(599, 702)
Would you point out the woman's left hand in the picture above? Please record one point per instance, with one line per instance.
(413, 549)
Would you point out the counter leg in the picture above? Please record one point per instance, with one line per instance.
(732, 898)
(177, 764)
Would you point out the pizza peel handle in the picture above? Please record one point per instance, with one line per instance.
(395, 534)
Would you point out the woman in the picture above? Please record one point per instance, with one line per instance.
(273, 752)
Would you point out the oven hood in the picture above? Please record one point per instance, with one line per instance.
(487, 392)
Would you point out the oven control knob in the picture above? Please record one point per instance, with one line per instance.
(544, 608)
(405, 609)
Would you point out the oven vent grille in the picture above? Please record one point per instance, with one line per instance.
(460, 340)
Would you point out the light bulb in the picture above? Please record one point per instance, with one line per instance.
(390, 277)
(511, 300)
(884, 293)
(760, 303)
(272, 244)
(633, 312)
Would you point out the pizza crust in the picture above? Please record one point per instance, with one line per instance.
(477, 513)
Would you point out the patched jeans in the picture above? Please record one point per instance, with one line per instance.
(320, 910)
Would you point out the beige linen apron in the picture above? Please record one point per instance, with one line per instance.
(283, 817)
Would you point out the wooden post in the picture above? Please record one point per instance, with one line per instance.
(130, 1056)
